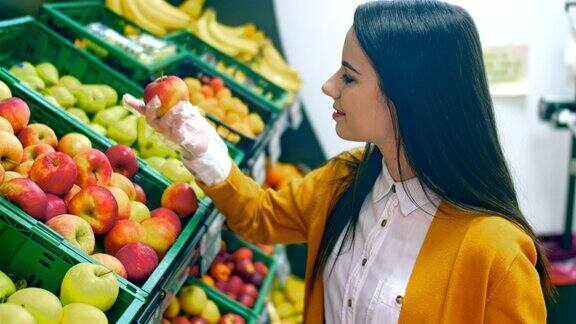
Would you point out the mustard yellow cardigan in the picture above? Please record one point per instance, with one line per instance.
(471, 268)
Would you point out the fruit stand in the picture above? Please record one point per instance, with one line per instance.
(99, 219)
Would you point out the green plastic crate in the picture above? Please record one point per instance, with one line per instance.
(71, 19)
(153, 186)
(30, 253)
(277, 99)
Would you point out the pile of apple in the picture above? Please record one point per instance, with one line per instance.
(289, 299)
(86, 292)
(236, 274)
(192, 306)
(213, 97)
(80, 191)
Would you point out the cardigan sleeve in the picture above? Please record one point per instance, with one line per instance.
(284, 216)
(517, 298)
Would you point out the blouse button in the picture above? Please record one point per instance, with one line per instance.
(364, 261)
(384, 221)
(399, 300)
(349, 302)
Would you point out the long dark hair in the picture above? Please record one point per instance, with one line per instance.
(428, 57)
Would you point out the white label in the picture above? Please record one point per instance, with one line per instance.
(283, 265)
(259, 169)
(274, 148)
(296, 115)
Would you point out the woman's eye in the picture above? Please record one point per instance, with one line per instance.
(347, 79)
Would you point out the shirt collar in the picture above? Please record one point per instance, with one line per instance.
(411, 195)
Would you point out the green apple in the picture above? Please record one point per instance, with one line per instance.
(82, 313)
(144, 131)
(109, 93)
(138, 211)
(53, 101)
(62, 95)
(155, 145)
(110, 116)
(15, 314)
(48, 73)
(33, 82)
(91, 99)
(7, 287)
(98, 129)
(91, 284)
(79, 114)
(5, 92)
(156, 162)
(125, 131)
(69, 82)
(175, 171)
(22, 69)
(197, 190)
(192, 299)
(40, 303)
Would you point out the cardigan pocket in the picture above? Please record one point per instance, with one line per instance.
(385, 304)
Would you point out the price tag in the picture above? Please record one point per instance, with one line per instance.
(283, 265)
(296, 115)
(274, 148)
(259, 169)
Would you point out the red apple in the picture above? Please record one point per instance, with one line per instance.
(138, 259)
(16, 111)
(140, 194)
(169, 89)
(26, 195)
(24, 168)
(54, 172)
(36, 134)
(261, 268)
(111, 263)
(75, 189)
(160, 234)
(124, 232)
(75, 230)
(2, 173)
(6, 126)
(119, 181)
(122, 201)
(97, 206)
(169, 216)
(74, 143)
(32, 152)
(11, 151)
(245, 268)
(123, 160)
(231, 318)
(54, 207)
(93, 168)
(197, 320)
(235, 283)
(9, 175)
(181, 320)
(242, 253)
(180, 197)
(221, 285)
(246, 300)
(256, 278)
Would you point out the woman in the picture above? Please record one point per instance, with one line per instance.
(423, 224)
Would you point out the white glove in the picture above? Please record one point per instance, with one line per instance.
(204, 153)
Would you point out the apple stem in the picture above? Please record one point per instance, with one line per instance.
(102, 275)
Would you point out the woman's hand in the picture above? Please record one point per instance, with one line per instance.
(204, 153)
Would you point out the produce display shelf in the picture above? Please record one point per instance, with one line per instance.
(153, 186)
(71, 19)
(32, 254)
(272, 95)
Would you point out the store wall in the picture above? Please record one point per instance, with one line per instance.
(313, 32)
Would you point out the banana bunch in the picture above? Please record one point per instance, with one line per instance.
(192, 7)
(242, 42)
(272, 65)
(156, 16)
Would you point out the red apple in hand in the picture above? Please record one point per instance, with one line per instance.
(124, 232)
(26, 195)
(123, 160)
(97, 206)
(54, 207)
(180, 198)
(11, 151)
(169, 89)
(32, 152)
(74, 143)
(36, 134)
(140, 194)
(75, 230)
(169, 216)
(111, 263)
(24, 168)
(93, 168)
(138, 259)
(54, 172)
(16, 111)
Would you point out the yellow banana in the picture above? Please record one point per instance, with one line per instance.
(115, 6)
(243, 45)
(273, 57)
(273, 75)
(163, 14)
(204, 34)
(192, 7)
(133, 13)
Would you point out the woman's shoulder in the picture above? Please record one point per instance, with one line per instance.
(338, 167)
